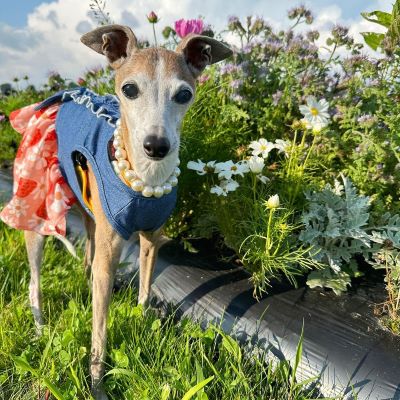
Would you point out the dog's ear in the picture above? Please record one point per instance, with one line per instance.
(200, 51)
(116, 42)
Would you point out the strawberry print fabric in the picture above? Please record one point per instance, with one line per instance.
(41, 196)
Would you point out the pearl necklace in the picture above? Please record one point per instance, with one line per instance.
(123, 169)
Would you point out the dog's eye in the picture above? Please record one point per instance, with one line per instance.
(130, 90)
(183, 96)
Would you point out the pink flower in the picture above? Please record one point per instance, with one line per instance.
(184, 27)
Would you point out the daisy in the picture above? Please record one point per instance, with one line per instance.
(261, 146)
(226, 170)
(315, 112)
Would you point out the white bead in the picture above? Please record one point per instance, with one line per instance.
(173, 180)
(130, 175)
(117, 142)
(167, 187)
(115, 166)
(118, 123)
(137, 185)
(117, 134)
(177, 172)
(158, 191)
(123, 165)
(147, 191)
(178, 162)
(120, 154)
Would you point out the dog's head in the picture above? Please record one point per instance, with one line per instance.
(155, 87)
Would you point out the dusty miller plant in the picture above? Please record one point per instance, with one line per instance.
(335, 225)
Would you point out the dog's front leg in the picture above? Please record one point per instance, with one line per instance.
(106, 257)
(149, 245)
(108, 245)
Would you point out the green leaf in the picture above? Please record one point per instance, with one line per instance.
(378, 17)
(192, 391)
(373, 39)
(55, 391)
(24, 365)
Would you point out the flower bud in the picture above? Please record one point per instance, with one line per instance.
(152, 18)
(273, 202)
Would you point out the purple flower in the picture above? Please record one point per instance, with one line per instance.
(2, 117)
(276, 97)
(367, 120)
(203, 78)
(228, 69)
(184, 27)
(236, 83)
(237, 98)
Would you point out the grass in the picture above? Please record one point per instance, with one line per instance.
(148, 357)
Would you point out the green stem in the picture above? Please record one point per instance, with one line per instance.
(331, 56)
(268, 241)
(254, 187)
(288, 171)
(309, 152)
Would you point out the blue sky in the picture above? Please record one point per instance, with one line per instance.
(41, 36)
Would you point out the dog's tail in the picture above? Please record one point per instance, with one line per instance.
(70, 247)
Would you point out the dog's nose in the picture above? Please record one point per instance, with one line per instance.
(155, 146)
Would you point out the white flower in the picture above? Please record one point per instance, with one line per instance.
(218, 191)
(273, 202)
(316, 112)
(282, 146)
(198, 166)
(262, 178)
(256, 164)
(226, 170)
(316, 127)
(261, 146)
(225, 187)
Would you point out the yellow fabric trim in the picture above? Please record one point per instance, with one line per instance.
(85, 187)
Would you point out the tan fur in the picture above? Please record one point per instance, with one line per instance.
(104, 245)
(145, 61)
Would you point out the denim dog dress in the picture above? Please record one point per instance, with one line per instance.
(85, 124)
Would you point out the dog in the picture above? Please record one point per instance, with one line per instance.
(155, 88)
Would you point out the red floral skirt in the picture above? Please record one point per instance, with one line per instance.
(41, 196)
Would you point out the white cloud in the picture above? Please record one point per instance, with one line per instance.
(50, 40)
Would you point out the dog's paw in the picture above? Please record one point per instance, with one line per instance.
(99, 394)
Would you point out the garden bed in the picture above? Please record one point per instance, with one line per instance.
(343, 340)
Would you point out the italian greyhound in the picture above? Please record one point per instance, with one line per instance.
(155, 87)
